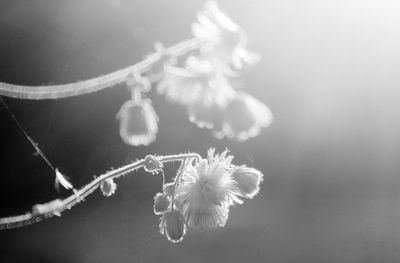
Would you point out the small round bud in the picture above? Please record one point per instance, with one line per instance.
(152, 164)
(173, 226)
(161, 204)
(108, 187)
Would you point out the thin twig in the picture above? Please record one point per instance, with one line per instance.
(55, 207)
(94, 84)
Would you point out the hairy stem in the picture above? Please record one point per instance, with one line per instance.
(55, 207)
(94, 84)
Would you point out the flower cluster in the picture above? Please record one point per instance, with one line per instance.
(202, 194)
(203, 85)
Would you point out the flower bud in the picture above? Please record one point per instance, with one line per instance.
(108, 187)
(247, 180)
(173, 226)
(161, 204)
(152, 164)
(138, 122)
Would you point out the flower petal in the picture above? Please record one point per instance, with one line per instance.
(207, 217)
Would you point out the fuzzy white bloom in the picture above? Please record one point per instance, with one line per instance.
(198, 81)
(207, 190)
(138, 122)
(173, 226)
(225, 40)
(243, 118)
(108, 187)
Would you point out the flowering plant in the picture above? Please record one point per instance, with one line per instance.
(204, 189)
(199, 197)
(211, 59)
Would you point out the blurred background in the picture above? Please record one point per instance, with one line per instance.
(329, 73)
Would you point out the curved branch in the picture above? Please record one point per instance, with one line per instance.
(55, 207)
(94, 84)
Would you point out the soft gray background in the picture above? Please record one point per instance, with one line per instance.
(330, 74)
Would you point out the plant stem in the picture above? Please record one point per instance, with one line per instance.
(94, 84)
(55, 207)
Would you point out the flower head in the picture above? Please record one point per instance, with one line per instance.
(198, 81)
(108, 187)
(225, 40)
(243, 117)
(173, 226)
(207, 191)
(138, 122)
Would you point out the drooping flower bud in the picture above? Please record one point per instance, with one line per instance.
(173, 226)
(108, 187)
(161, 204)
(152, 164)
(247, 180)
(244, 116)
(138, 122)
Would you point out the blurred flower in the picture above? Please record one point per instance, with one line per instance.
(243, 117)
(138, 122)
(173, 225)
(152, 164)
(248, 180)
(207, 190)
(161, 203)
(225, 41)
(197, 82)
(206, 114)
(108, 187)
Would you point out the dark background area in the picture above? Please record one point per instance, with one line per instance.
(330, 74)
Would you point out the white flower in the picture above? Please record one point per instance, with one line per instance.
(243, 117)
(108, 187)
(207, 190)
(206, 114)
(138, 122)
(197, 82)
(225, 40)
(173, 226)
